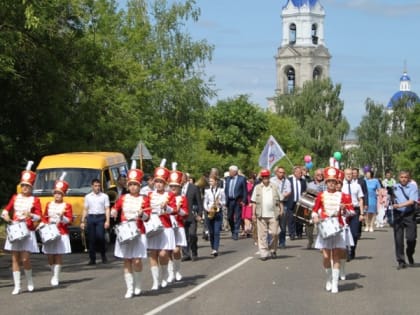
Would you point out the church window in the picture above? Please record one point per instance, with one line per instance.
(314, 34)
(317, 73)
(292, 34)
(291, 79)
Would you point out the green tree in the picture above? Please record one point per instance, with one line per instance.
(317, 109)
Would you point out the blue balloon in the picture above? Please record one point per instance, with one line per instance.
(309, 165)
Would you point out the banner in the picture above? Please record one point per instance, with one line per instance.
(271, 154)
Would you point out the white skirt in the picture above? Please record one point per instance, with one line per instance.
(336, 241)
(136, 248)
(59, 246)
(164, 240)
(180, 238)
(28, 244)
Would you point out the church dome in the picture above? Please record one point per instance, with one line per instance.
(404, 94)
(301, 3)
(409, 97)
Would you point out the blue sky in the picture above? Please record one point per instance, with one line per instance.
(369, 40)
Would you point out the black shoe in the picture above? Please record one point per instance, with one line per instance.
(263, 258)
(273, 255)
(104, 260)
(410, 259)
(91, 262)
(401, 265)
(235, 236)
(186, 258)
(292, 238)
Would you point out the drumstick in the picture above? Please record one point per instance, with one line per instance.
(83, 237)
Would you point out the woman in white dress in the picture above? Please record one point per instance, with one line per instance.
(134, 209)
(58, 213)
(22, 211)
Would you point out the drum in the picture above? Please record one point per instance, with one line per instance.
(174, 222)
(153, 226)
(49, 233)
(303, 208)
(329, 227)
(127, 231)
(17, 231)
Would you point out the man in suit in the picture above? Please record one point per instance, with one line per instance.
(236, 196)
(298, 186)
(195, 211)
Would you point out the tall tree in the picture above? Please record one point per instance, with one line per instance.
(317, 109)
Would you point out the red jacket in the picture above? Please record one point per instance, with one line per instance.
(53, 213)
(157, 200)
(20, 204)
(130, 206)
(328, 204)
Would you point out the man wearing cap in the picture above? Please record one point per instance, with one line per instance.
(236, 196)
(59, 213)
(22, 211)
(266, 207)
(96, 211)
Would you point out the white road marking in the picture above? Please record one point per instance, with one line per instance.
(197, 288)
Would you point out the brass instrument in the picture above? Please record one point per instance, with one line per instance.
(213, 209)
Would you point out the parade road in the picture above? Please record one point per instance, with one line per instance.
(236, 282)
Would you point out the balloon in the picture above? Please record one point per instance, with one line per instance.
(307, 158)
(367, 168)
(337, 156)
(309, 165)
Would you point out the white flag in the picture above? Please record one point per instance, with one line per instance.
(271, 154)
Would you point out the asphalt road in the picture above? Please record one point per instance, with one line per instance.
(236, 282)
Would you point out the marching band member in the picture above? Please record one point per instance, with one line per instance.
(347, 233)
(214, 200)
(174, 264)
(23, 207)
(60, 213)
(133, 207)
(330, 206)
(162, 204)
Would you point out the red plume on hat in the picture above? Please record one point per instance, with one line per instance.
(175, 177)
(27, 176)
(134, 175)
(161, 172)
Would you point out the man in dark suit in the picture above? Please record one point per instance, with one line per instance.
(195, 211)
(298, 185)
(236, 197)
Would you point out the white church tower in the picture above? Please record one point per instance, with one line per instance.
(303, 54)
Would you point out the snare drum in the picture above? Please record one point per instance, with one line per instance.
(127, 231)
(303, 208)
(329, 227)
(153, 226)
(49, 233)
(17, 231)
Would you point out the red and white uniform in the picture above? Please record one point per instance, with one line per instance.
(181, 213)
(166, 239)
(329, 204)
(61, 214)
(130, 206)
(20, 205)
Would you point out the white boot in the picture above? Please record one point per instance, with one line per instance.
(55, 280)
(137, 283)
(342, 269)
(16, 280)
(171, 274)
(328, 284)
(28, 275)
(155, 276)
(177, 268)
(128, 277)
(335, 275)
(164, 270)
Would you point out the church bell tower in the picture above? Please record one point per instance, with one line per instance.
(303, 54)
